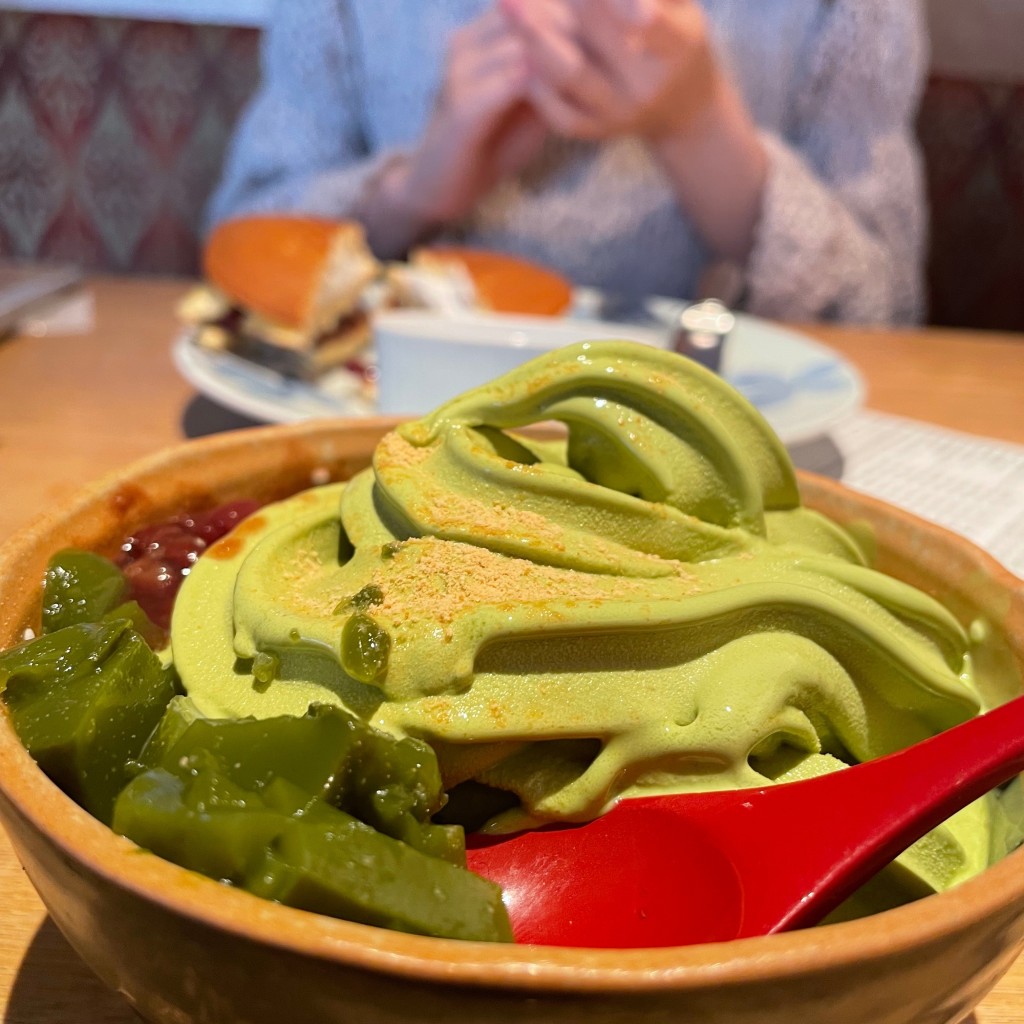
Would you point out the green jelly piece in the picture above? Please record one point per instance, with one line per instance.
(365, 648)
(80, 586)
(84, 701)
(211, 827)
(35, 667)
(345, 869)
(177, 717)
(287, 798)
(207, 790)
(445, 841)
(137, 618)
(392, 785)
(282, 845)
(396, 787)
(310, 751)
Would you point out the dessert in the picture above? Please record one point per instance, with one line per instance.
(548, 625)
(645, 608)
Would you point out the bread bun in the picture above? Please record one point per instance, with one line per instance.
(503, 284)
(302, 273)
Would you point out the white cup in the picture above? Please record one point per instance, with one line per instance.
(423, 358)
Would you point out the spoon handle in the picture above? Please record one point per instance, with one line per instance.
(883, 806)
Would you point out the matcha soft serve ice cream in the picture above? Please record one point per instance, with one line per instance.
(632, 601)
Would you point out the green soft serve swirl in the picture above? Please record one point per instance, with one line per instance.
(640, 605)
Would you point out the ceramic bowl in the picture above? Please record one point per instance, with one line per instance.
(185, 948)
(424, 358)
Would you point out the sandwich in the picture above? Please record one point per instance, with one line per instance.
(291, 293)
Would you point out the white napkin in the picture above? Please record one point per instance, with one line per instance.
(74, 313)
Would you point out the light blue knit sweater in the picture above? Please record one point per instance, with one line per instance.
(832, 84)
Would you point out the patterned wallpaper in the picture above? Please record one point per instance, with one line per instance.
(112, 132)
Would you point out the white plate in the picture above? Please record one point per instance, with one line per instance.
(802, 388)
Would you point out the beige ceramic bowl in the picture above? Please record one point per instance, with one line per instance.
(186, 949)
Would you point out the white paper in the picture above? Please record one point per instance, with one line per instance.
(971, 485)
(72, 314)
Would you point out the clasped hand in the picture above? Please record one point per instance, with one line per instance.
(525, 70)
(605, 68)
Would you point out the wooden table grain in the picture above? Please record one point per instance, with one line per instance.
(75, 407)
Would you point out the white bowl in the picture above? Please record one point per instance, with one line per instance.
(423, 359)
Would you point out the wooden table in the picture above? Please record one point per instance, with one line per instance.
(75, 407)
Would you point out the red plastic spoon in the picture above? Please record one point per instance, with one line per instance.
(705, 867)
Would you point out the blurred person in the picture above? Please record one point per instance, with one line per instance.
(760, 150)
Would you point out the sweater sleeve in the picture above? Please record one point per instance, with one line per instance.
(842, 226)
(299, 145)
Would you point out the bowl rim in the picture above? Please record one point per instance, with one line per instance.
(27, 793)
